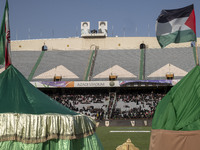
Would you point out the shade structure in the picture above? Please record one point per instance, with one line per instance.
(29, 119)
(176, 123)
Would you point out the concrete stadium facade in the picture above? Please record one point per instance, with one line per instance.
(108, 43)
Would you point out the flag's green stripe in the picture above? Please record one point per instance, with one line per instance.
(2, 49)
(3, 37)
(176, 37)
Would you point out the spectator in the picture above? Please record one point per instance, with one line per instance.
(122, 106)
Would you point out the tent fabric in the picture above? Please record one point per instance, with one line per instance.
(30, 128)
(29, 119)
(174, 140)
(176, 123)
(19, 96)
(89, 143)
(179, 109)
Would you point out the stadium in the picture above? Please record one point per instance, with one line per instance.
(94, 91)
(118, 81)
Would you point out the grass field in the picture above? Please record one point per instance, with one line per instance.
(111, 140)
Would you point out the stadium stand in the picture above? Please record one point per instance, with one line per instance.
(180, 57)
(75, 61)
(73, 65)
(95, 60)
(123, 63)
(127, 59)
(129, 105)
(24, 61)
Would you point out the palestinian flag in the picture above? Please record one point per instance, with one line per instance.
(5, 38)
(176, 123)
(176, 26)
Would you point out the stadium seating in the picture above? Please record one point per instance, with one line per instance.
(24, 61)
(123, 63)
(182, 58)
(129, 60)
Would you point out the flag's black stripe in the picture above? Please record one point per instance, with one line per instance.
(168, 15)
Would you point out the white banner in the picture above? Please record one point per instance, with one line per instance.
(96, 83)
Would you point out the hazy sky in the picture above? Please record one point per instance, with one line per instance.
(36, 19)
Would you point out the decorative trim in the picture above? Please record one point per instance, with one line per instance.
(28, 128)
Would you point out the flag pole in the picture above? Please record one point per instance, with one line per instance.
(197, 59)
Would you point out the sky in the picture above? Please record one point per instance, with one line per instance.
(36, 19)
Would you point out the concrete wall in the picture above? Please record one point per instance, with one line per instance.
(108, 43)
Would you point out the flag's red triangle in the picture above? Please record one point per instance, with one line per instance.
(191, 21)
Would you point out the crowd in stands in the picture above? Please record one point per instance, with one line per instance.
(136, 105)
(112, 106)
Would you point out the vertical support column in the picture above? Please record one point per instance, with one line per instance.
(195, 52)
(142, 61)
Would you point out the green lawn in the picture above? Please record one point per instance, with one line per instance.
(111, 140)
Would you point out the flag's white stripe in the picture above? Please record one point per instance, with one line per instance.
(172, 26)
(130, 131)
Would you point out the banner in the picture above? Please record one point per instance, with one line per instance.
(172, 82)
(51, 84)
(96, 84)
(85, 84)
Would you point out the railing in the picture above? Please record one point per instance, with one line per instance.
(30, 77)
(91, 63)
(112, 104)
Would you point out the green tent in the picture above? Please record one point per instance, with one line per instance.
(30, 120)
(176, 123)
